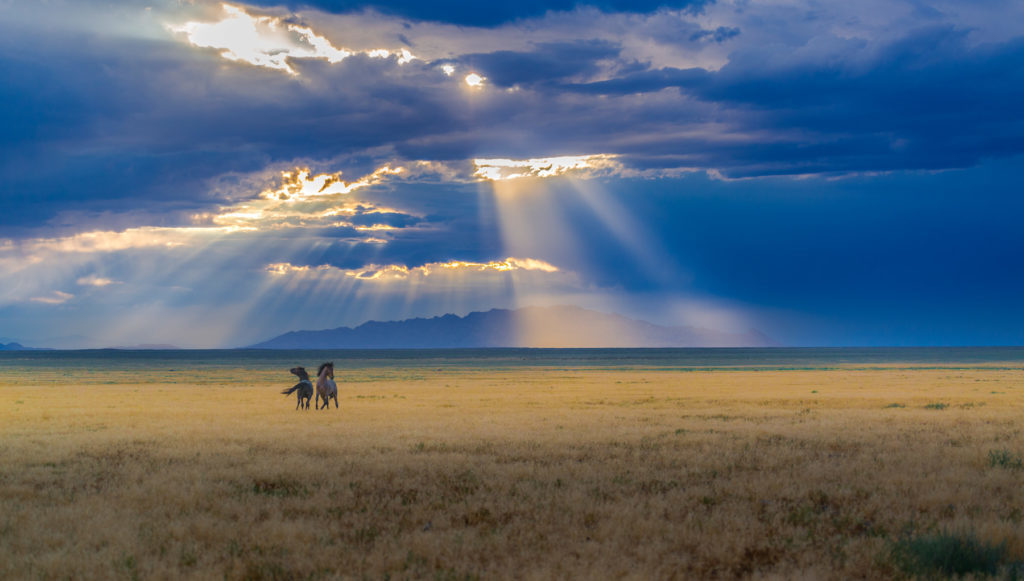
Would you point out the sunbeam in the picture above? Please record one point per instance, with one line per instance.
(576, 223)
(620, 221)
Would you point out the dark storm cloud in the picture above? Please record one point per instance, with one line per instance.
(474, 13)
(147, 122)
(547, 63)
(927, 101)
(95, 124)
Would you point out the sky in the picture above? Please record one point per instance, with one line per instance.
(210, 174)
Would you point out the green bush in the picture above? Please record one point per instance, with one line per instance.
(948, 554)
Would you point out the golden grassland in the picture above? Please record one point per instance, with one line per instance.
(528, 473)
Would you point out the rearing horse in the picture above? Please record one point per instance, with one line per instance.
(304, 387)
(325, 386)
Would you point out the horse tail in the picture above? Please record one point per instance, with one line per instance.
(291, 390)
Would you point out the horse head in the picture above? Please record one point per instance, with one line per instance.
(329, 366)
(300, 372)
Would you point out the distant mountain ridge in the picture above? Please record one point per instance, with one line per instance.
(15, 346)
(145, 347)
(562, 326)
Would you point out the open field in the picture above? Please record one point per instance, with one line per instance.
(534, 472)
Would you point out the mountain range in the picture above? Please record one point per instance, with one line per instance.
(15, 346)
(561, 326)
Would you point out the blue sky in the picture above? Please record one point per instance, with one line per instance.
(211, 175)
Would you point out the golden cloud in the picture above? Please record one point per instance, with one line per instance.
(305, 199)
(58, 297)
(498, 169)
(402, 272)
(111, 241)
(94, 280)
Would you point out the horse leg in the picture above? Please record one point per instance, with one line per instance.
(335, 401)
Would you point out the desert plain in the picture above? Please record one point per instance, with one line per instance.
(536, 472)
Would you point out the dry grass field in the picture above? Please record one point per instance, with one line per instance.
(526, 473)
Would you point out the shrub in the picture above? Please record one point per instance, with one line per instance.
(948, 554)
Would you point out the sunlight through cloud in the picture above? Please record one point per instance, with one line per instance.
(546, 167)
(306, 199)
(112, 241)
(302, 200)
(299, 185)
(97, 281)
(270, 42)
(401, 272)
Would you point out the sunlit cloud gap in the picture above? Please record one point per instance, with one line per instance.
(270, 42)
(402, 272)
(305, 199)
(299, 185)
(96, 281)
(545, 167)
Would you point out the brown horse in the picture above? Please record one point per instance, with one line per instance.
(325, 386)
(304, 387)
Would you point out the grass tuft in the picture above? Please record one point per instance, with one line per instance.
(948, 554)
(936, 406)
(279, 487)
(1005, 459)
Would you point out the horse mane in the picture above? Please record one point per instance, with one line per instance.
(322, 365)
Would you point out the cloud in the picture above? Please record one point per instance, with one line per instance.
(318, 204)
(35, 250)
(305, 200)
(299, 185)
(548, 62)
(57, 298)
(270, 42)
(472, 13)
(576, 165)
(386, 272)
(147, 124)
(95, 280)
